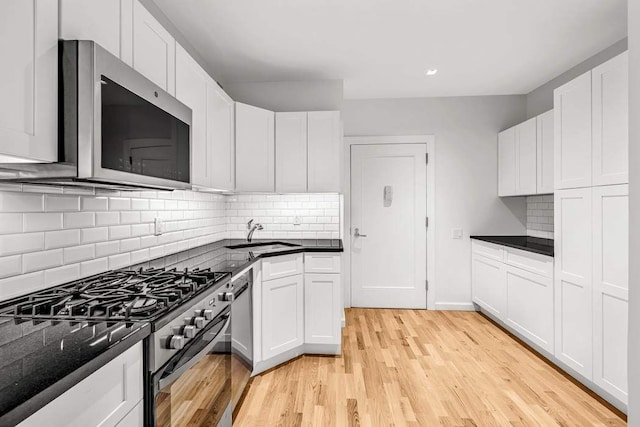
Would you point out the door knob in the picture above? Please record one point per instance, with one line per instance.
(356, 233)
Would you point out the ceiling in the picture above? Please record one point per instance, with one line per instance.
(382, 48)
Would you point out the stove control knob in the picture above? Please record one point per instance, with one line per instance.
(199, 322)
(189, 331)
(208, 314)
(226, 296)
(176, 342)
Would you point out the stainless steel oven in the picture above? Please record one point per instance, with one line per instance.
(241, 336)
(117, 129)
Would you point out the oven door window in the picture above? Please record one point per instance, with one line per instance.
(194, 388)
(141, 138)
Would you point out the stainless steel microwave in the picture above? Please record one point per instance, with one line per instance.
(117, 129)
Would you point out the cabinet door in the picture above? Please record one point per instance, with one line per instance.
(322, 309)
(154, 50)
(611, 121)
(102, 399)
(291, 152)
(221, 136)
(507, 162)
(611, 288)
(488, 285)
(255, 148)
(530, 306)
(544, 136)
(526, 153)
(572, 133)
(325, 150)
(282, 315)
(191, 90)
(29, 80)
(97, 20)
(573, 285)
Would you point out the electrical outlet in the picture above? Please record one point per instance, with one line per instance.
(456, 233)
(158, 226)
(297, 221)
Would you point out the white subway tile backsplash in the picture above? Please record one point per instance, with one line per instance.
(10, 223)
(41, 222)
(21, 243)
(21, 202)
(10, 265)
(61, 203)
(61, 239)
(78, 253)
(57, 234)
(78, 219)
(93, 235)
(540, 216)
(37, 261)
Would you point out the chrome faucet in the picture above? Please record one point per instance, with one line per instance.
(252, 228)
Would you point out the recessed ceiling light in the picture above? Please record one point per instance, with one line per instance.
(432, 72)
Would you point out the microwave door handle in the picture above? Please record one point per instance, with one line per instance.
(163, 382)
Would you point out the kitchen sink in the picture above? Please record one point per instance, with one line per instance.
(264, 246)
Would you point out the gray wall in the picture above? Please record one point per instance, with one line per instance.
(466, 168)
(311, 95)
(541, 99)
(634, 214)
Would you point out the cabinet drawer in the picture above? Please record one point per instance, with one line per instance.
(488, 250)
(529, 261)
(281, 266)
(322, 263)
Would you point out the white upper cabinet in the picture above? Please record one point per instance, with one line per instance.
(97, 20)
(611, 288)
(544, 136)
(573, 279)
(507, 162)
(191, 90)
(29, 80)
(572, 133)
(154, 50)
(610, 105)
(255, 149)
(324, 138)
(291, 152)
(221, 136)
(526, 168)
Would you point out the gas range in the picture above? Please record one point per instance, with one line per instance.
(146, 295)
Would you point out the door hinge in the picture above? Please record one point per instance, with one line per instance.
(426, 221)
(426, 157)
(426, 284)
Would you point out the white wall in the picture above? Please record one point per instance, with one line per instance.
(541, 99)
(634, 214)
(312, 95)
(465, 129)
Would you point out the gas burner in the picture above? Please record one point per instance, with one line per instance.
(115, 295)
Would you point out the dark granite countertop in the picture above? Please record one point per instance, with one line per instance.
(39, 362)
(526, 243)
(237, 260)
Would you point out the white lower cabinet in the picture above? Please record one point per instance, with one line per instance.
(282, 315)
(108, 397)
(488, 284)
(322, 309)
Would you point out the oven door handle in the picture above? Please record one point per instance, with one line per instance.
(165, 381)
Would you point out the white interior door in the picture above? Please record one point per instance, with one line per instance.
(388, 210)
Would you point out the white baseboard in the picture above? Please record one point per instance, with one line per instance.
(455, 306)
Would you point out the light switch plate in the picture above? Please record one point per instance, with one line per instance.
(158, 226)
(456, 233)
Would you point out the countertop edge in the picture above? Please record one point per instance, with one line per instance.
(46, 396)
(491, 239)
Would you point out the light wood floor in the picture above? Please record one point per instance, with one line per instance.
(421, 368)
